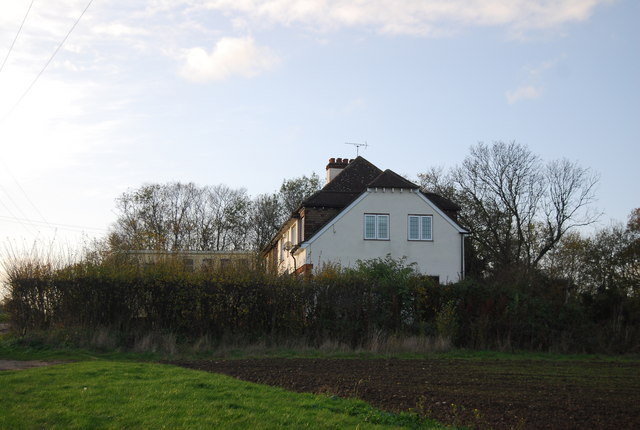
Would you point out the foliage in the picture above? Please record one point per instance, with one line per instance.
(382, 300)
(4, 316)
(294, 191)
(266, 218)
(608, 261)
(176, 216)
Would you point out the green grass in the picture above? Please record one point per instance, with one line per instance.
(15, 348)
(108, 394)
(454, 354)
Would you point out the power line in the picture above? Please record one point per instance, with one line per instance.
(46, 64)
(17, 34)
(14, 204)
(70, 227)
(24, 193)
(19, 220)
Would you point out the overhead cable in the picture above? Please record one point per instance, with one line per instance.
(15, 205)
(18, 220)
(46, 64)
(24, 193)
(51, 225)
(17, 34)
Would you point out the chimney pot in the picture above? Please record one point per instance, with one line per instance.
(335, 166)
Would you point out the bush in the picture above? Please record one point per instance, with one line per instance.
(380, 303)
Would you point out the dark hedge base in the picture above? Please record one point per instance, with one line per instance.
(506, 394)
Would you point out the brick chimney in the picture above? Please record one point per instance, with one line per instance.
(335, 166)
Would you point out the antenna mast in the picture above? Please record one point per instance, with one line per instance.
(357, 145)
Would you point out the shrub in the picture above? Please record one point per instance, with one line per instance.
(381, 303)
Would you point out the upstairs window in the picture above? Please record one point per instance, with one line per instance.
(420, 227)
(376, 226)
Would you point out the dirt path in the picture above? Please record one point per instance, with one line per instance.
(497, 394)
(18, 364)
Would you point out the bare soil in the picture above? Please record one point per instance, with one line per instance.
(499, 394)
(26, 364)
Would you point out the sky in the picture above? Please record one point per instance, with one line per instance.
(99, 97)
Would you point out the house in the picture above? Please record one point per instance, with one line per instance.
(197, 260)
(363, 213)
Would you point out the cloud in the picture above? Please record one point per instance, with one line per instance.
(533, 82)
(427, 17)
(523, 93)
(119, 30)
(354, 105)
(55, 125)
(230, 57)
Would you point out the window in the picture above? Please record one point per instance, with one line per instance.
(376, 227)
(282, 249)
(301, 230)
(420, 227)
(188, 264)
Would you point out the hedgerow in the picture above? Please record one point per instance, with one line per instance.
(379, 299)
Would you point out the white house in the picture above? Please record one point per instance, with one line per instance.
(362, 213)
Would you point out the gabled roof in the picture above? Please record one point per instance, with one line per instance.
(442, 202)
(330, 199)
(390, 179)
(354, 180)
(345, 187)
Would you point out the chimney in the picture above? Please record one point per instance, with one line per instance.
(335, 166)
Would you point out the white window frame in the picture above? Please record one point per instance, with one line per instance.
(377, 231)
(422, 237)
(283, 240)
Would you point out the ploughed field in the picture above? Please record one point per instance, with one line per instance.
(486, 393)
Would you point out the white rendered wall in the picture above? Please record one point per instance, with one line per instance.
(343, 241)
(286, 263)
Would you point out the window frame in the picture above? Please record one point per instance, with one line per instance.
(376, 235)
(420, 218)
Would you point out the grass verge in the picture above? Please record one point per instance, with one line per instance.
(114, 395)
(16, 348)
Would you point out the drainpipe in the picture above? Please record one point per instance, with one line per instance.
(462, 256)
(295, 264)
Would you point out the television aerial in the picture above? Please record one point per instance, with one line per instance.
(358, 146)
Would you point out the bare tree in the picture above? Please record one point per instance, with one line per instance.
(517, 207)
(571, 190)
(266, 219)
(177, 216)
(141, 219)
(179, 201)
